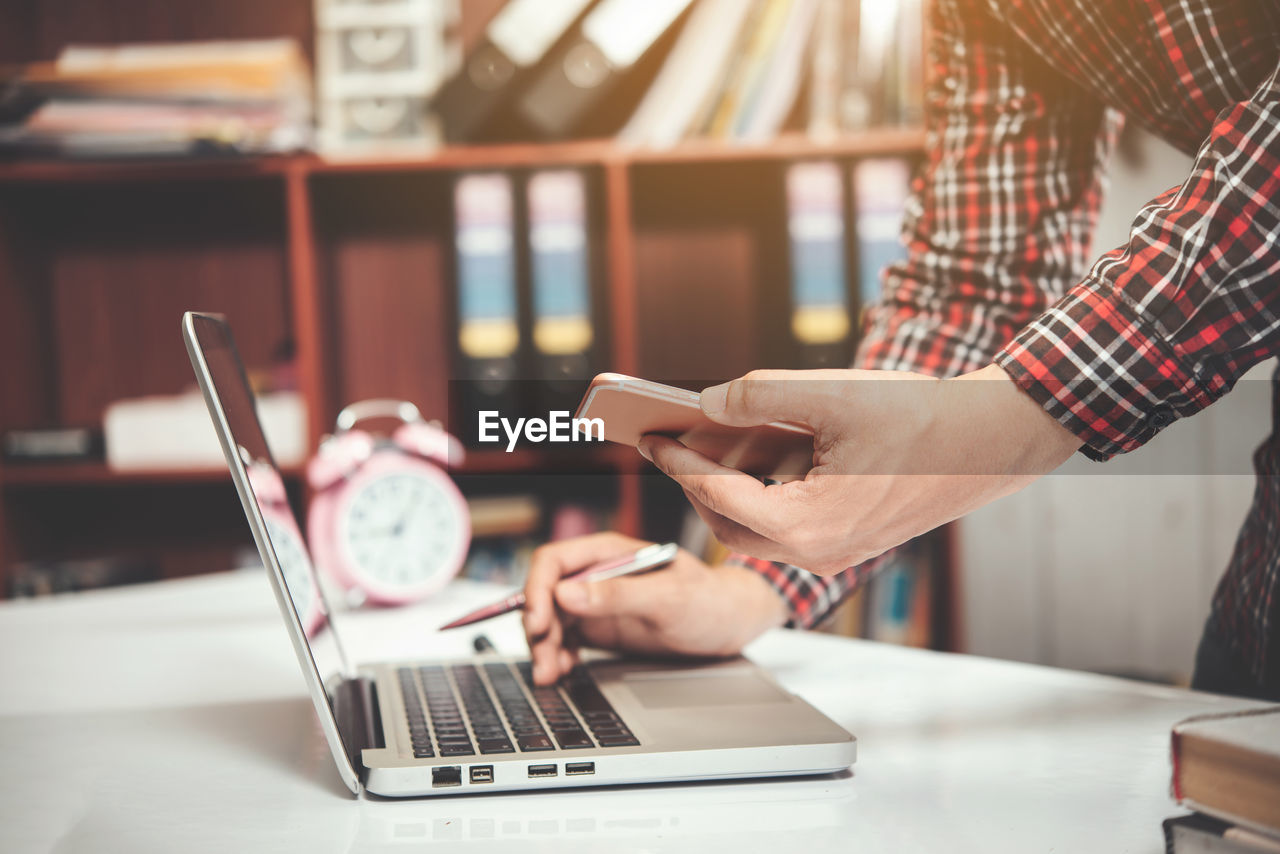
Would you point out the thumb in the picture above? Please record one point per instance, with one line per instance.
(617, 597)
(764, 396)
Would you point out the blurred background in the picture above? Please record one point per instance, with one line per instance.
(480, 205)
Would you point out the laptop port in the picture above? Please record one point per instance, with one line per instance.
(446, 775)
(575, 768)
(481, 773)
(542, 770)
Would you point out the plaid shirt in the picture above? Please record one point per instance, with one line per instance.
(1022, 113)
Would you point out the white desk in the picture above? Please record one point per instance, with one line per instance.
(173, 718)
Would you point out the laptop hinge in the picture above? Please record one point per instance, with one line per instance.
(355, 708)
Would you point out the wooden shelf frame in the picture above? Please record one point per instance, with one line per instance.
(868, 143)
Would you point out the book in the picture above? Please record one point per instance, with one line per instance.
(731, 71)
(689, 75)
(1200, 834)
(592, 61)
(853, 102)
(749, 64)
(52, 444)
(908, 98)
(881, 186)
(1228, 766)
(488, 312)
(823, 122)
(774, 93)
(871, 86)
(820, 315)
(512, 45)
(164, 99)
(889, 594)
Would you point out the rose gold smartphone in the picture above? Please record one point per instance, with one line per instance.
(630, 408)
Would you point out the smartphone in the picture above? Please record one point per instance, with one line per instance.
(630, 408)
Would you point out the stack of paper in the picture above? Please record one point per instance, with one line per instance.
(249, 97)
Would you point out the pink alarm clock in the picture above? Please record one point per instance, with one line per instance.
(386, 521)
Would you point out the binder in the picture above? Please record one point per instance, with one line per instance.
(909, 54)
(881, 187)
(689, 75)
(515, 41)
(729, 77)
(820, 315)
(560, 265)
(591, 61)
(825, 69)
(488, 311)
(774, 92)
(753, 54)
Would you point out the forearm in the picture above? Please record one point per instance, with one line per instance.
(1164, 325)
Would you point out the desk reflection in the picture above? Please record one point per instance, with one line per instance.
(702, 816)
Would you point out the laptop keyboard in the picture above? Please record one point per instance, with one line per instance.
(465, 721)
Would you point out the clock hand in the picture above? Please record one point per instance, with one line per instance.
(398, 528)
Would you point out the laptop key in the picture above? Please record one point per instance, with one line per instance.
(573, 740)
(619, 740)
(456, 749)
(494, 745)
(535, 742)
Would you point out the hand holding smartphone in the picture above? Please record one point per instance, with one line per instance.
(631, 408)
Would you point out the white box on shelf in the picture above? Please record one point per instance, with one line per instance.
(331, 14)
(377, 66)
(382, 125)
(174, 431)
(403, 59)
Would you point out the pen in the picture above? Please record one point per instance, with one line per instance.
(642, 560)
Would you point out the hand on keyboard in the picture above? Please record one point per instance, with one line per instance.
(687, 608)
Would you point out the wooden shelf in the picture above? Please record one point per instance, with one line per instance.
(867, 143)
(100, 474)
(449, 158)
(336, 258)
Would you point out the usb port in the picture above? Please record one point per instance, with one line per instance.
(573, 768)
(446, 775)
(481, 773)
(542, 770)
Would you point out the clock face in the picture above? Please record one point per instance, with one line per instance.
(405, 528)
(296, 567)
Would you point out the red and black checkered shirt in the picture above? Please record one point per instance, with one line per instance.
(1023, 109)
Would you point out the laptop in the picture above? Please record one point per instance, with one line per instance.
(421, 728)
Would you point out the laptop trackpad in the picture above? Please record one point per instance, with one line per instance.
(674, 691)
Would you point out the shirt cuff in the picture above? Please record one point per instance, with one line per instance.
(1103, 372)
(809, 598)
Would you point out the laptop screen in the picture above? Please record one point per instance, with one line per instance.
(266, 504)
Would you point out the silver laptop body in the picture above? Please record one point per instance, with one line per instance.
(479, 725)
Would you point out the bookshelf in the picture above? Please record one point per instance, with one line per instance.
(97, 260)
(348, 266)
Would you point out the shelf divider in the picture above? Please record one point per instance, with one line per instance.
(307, 314)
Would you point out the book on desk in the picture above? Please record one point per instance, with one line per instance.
(1227, 766)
